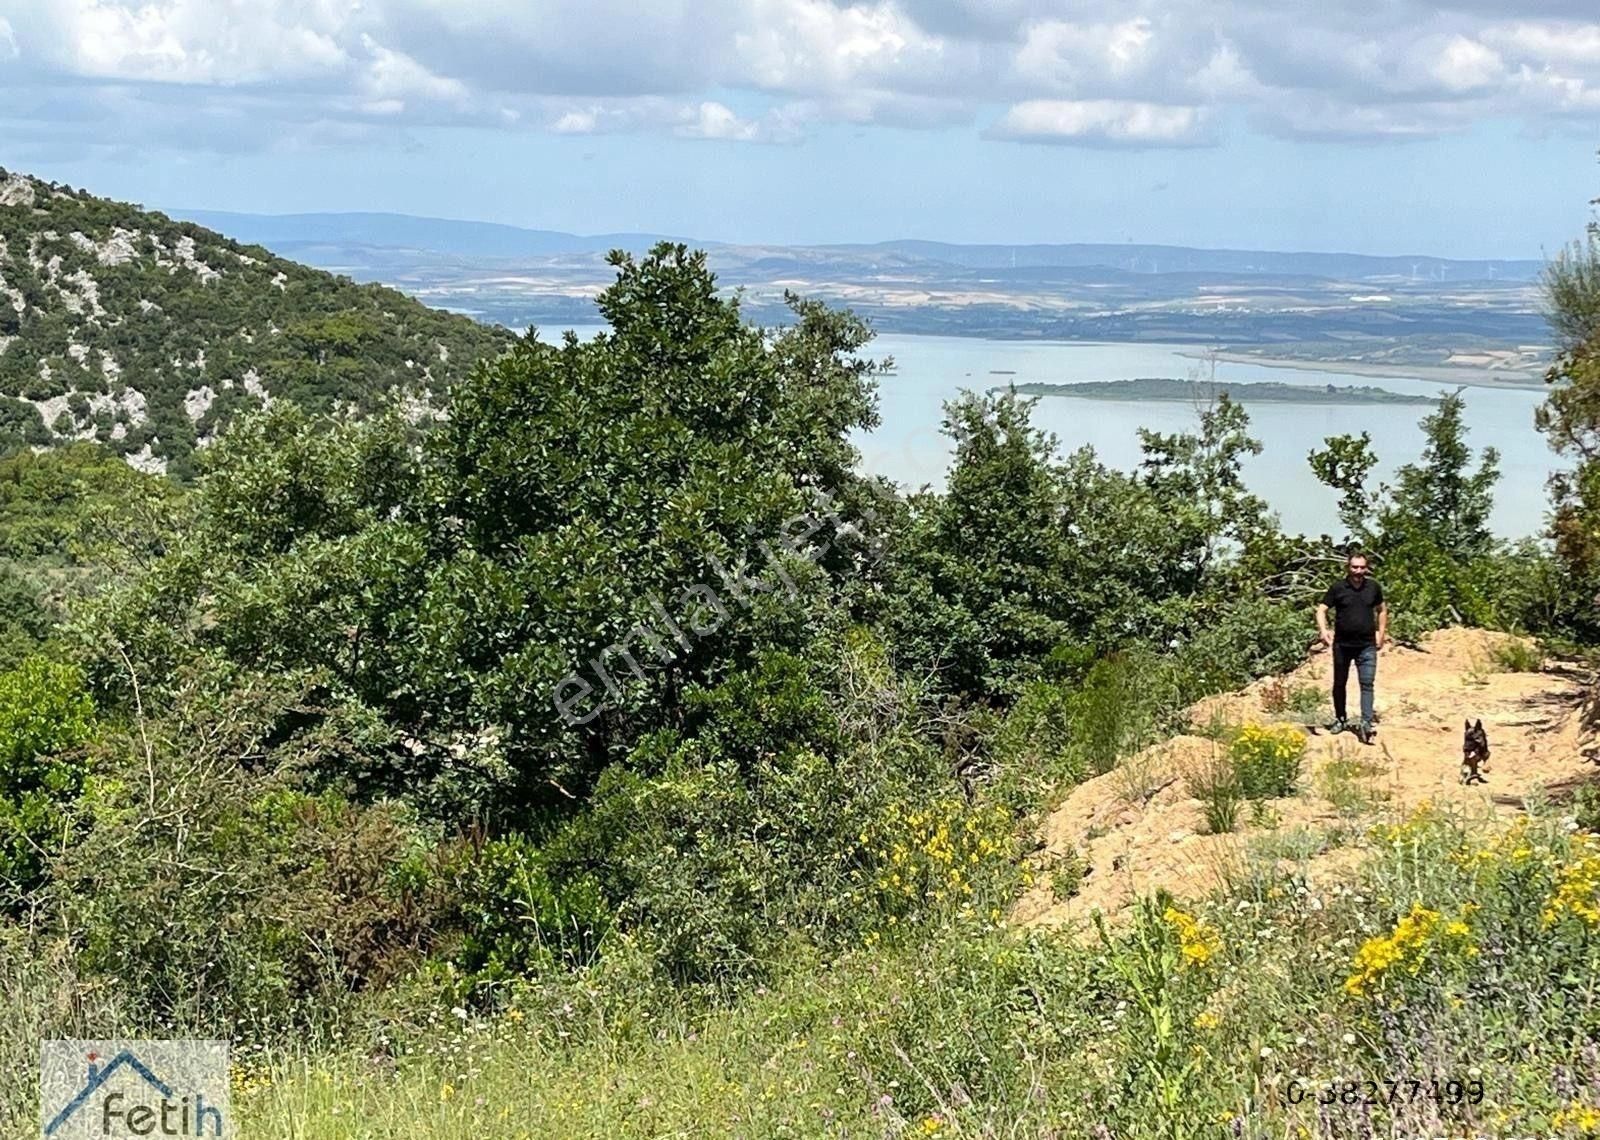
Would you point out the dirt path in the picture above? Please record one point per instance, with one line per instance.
(1137, 827)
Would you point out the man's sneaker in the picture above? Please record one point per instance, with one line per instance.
(1364, 732)
(1337, 725)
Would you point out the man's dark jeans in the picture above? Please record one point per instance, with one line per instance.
(1366, 662)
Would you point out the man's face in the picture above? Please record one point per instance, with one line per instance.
(1358, 570)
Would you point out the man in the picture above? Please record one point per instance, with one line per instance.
(1360, 627)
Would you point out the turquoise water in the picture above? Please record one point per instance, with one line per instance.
(909, 448)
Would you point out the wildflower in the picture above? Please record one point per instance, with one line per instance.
(1577, 893)
(1414, 939)
(1580, 1118)
(1198, 940)
(1207, 1020)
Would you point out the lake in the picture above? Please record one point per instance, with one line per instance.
(929, 370)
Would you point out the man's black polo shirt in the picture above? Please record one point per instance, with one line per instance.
(1355, 611)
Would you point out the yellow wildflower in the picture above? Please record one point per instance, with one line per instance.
(1198, 940)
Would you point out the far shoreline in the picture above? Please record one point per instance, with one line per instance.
(1431, 373)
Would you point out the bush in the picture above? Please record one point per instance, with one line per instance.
(1034, 747)
(516, 920)
(1267, 760)
(1236, 643)
(1518, 655)
(45, 716)
(216, 894)
(1124, 703)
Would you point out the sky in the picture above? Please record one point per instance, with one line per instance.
(1462, 128)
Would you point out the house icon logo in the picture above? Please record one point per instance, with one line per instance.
(133, 1089)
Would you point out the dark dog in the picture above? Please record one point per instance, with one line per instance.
(1474, 753)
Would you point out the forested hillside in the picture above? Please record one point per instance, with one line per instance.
(123, 326)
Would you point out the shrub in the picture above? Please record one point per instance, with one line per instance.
(213, 892)
(1267, 759)
(1034, 745)
(517, 920)
(1518, 655)
(1236, 643)
(1123, 704)
(44, 716)
(718, 843)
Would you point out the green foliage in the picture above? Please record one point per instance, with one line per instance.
(983, 590)
(753, 825)
(1232, 643)
(1518, 655)
(45, 716)
(1027, 560)
(1218, 785)
(1345, 465)
(1267, 759)
(217, 893)
(1198, 477)
(25, 620)
(1428, 533)
(1437, 500)
(79, 504)
(457, 587)
(517, 921)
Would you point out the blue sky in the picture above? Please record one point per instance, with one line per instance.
(1466, 128)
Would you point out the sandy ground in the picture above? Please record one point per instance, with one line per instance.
(1137, 828)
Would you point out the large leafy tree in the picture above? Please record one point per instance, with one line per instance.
(523, 591)
(1570, 415)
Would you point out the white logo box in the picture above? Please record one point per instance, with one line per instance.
(125, 1088)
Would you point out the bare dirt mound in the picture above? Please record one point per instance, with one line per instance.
(1138, 828)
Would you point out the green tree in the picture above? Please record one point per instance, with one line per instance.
(502, 576)
(1570, 417)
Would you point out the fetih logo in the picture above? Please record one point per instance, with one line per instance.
(133, 1088)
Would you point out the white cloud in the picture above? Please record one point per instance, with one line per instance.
(394, 76)
(1090, 72)
(715, 121)
(1103, 121)
(1466, 65)
(1548, 43)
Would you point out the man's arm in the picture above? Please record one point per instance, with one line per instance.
(1322, 623)
(1383, 623)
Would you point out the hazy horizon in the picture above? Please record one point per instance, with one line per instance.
(193, 211)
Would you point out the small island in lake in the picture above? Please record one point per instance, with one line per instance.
(1158, 388)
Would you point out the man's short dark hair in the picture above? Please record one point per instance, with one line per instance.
(1354, 554)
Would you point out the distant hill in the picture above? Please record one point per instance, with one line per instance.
(368, 233)
(1158, 259)
(404, 231)
(121, 325)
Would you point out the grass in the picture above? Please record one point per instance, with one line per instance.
(1214, 781)
(1452, 952)
(1346, 784)
(1518, 655)
(1191, 1021)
